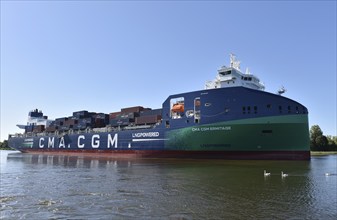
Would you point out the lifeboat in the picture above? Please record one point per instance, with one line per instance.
(179, 107)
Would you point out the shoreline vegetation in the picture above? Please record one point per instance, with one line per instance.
(322, 153)
(4, 145)
(320, 142)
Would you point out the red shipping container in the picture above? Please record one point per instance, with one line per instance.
(51, 129)
(71, 122)
(132, 109)
(148, 119)
(38, 128)
(113, 115)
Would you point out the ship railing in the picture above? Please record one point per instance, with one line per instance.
(99, 130)
(41, 134)
(138, 127)
(30, 134)
(16, 135)
(225, 78)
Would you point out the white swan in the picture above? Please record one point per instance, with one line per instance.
(327, 174)
(265, 173)
(283, 174)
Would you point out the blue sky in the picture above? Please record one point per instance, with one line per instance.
(101, 56)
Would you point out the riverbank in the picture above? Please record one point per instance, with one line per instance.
(322, 153)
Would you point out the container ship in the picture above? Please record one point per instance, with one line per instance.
(231, 118)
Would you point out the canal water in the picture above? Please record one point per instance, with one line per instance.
(70, 187)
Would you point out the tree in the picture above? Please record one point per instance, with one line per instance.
(4, 145)
(322, 143)
(318, 142)
(332, 142)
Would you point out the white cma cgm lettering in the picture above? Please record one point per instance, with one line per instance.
(50, 142)
(78, 141)
(40, 143)
(62, 144)
(113, 141)
(95, 141)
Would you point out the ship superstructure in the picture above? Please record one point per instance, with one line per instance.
(36, 119)
(233, 77)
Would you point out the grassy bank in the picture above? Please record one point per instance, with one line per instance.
(6, 148)
(321, 153)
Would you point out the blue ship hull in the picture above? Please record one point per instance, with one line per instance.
(236, 123)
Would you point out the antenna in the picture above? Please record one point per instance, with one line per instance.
(247, 71)
(232, 59)
(234, 62)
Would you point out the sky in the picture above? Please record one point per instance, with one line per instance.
(101, 56)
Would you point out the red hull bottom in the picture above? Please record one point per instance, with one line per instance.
(235, 155)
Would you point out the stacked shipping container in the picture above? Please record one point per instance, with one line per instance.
(82, 120)
(149, 116)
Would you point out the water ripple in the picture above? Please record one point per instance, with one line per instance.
(60, 187)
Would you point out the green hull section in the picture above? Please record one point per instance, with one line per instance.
(277, 133)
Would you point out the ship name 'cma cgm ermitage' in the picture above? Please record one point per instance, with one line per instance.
(231, 118)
